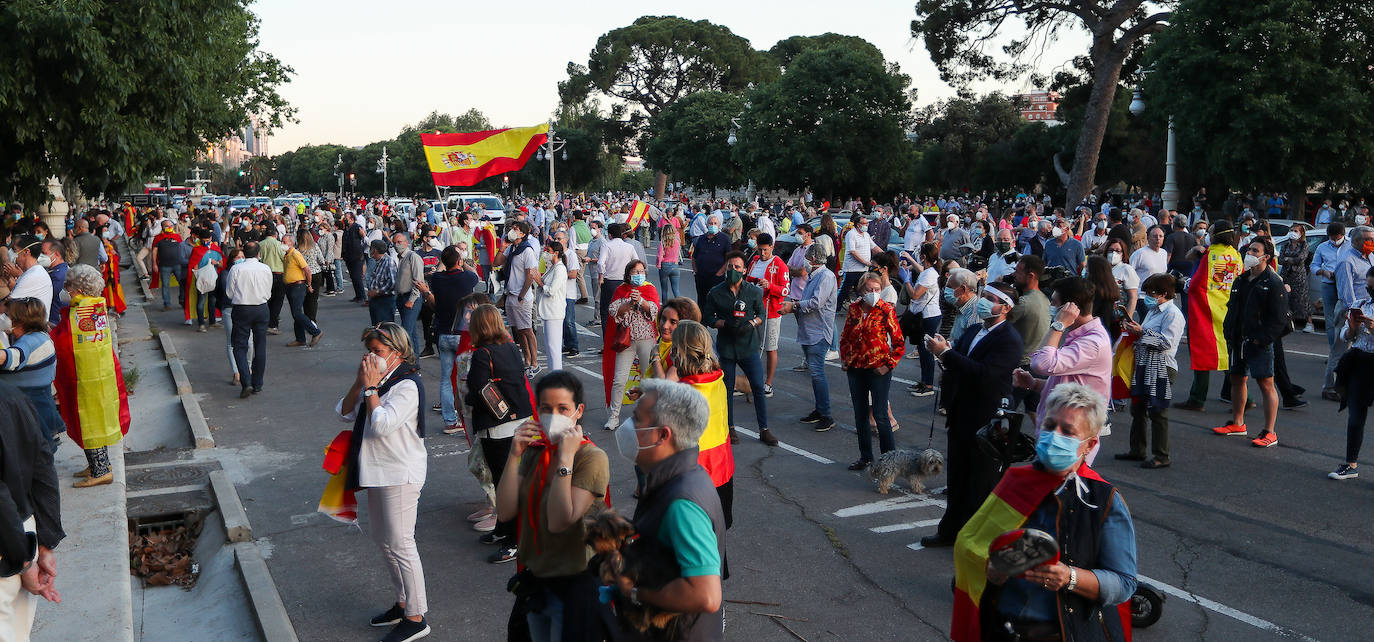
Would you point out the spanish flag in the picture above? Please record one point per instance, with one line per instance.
(337, 501)
(466, 158)
(1209, 293)
(90, 384)
(716, 456)
(639, 212)
(1008, 507)
(1123, 367)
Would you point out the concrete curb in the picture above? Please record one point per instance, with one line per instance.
(236, 525)
(168, 348)
(273, 621)
(200, 430)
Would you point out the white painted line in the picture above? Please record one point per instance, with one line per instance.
(596, 375)
(1305, 354)
(916, 547)
(892, 528)
(883, 505)
(896, 379)
(582, 330)
(790, 448)
(1217, 607)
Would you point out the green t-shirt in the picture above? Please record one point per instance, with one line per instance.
(686, 528)
(566, 553)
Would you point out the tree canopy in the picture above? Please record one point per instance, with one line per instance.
(1271, 93)
(689, 140)
(104, 93)
(835, 121)
(786, 50)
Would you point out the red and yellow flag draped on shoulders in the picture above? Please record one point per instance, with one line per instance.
(89, 382)
(1209, 293)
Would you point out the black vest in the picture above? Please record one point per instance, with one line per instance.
(681, 477)
(404, 372)
(1079, 528)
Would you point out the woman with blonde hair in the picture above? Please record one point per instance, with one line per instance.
(694, 363)
(669, 258)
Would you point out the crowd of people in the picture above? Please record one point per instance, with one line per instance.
(1004, 304)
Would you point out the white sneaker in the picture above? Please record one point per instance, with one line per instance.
(832, 355)
(1308, 329)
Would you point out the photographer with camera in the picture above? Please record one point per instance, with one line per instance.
(1004, 260)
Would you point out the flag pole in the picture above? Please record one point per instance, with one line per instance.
(548, 146)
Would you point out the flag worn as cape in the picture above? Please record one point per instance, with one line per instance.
(89, 382)
(192, 294)
(1123, 367)
(1011, 503)
(1209, 293)
(114, 292)
(650, 293)
(716, 455)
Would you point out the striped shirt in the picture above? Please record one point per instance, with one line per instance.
(383, 280)
(30, 362)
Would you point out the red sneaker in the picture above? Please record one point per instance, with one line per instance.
(1230, 429)
(1265, 440)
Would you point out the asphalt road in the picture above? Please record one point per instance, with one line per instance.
(1251, 543)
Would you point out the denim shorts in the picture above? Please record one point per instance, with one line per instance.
(1253, 360)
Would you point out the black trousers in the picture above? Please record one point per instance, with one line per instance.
(972, 476)
(250, 320)
(355, 275)
(496, 451)
(275, 302)
(608, 287)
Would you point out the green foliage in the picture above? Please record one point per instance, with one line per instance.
(786, 50)
(955, 136)
(688, 139)
(104, 93)
(835, 122)
(1271, 93)
(635, 182)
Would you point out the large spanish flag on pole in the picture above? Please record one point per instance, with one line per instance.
(1209, 293)
(639, 212)
(466, 158)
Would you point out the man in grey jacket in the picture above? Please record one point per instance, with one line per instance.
(409, 267)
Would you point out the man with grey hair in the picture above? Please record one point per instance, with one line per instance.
(678, 508)
(815, 312)
(1352, 262)
(961, 291)
(708, 256)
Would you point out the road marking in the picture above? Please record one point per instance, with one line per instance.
(884, 505)
(1218, 607)
(596, 375)
(915, 547)
(1305, 354)
(790, 448)
(897, 379)
(582, 330)
(892, 528)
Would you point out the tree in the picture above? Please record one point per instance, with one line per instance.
(786, 50)
(1272, 93)
(657, 60)
(957, 32)
(835, 122)
(689, 139)
(963, 129)
(104, 93)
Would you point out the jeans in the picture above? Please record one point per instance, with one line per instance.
(753, 370)
(338, 275)
(929, 325)
(165, 274)
(820, 386)
(250, 319)
(312, 299)
(355, 276)
(851, 280)
(570, 326)
(546, 624)
(274, 302)
(295, 293)
(381, 308)
(668, 279)
(205, 307)
(1333, 324)
(46, 409)
(448, 353)
(608, 287)
(863, 383)
(1338, 347)
(227, 315)
(496, 452)
(408, 317)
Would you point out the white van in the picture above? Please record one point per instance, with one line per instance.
(493, 209)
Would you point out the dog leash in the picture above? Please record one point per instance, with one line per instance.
(935, 411)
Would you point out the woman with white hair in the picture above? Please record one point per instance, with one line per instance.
(1077, 596)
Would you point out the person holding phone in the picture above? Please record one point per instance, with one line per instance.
(559, 479)
(1356, 372)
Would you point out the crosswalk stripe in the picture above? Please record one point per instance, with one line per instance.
(790, 448)
(892, 528)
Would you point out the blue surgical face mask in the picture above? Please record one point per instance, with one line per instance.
(1151, 302)
(237, 261)
(949, 296)
(713, 229)
(1057, 451)
(753, 243)
(637, 279)
(985, 309)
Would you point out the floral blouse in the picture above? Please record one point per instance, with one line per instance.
(641, 326)
(872, 338)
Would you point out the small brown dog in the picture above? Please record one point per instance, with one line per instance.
(622, 553)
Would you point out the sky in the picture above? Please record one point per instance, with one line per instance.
(364, 69)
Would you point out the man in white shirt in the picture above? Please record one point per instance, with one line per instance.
(858, 254)
(765, 224)
(916, 228)
(1003, 262)
(1096, 235)
(249, 286)
(1151, 259)
(27, 277)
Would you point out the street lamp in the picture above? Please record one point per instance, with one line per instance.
(547, 150)
(734, 126)
(1170, 194)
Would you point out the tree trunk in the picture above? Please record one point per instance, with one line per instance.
(660, 183)
(1297, 202)
(1107, 73)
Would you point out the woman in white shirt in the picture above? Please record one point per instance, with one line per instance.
(387, 458)
(552, 301)
(1125, 275)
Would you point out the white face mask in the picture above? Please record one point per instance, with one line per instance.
(627, 442)
(871, 298)
(555, 425)
(951, 225)
(1251, 261)
(1292, 236)
(1058, 232)
(1114, 258)
(1361, 220)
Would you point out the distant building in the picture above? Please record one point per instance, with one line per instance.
(1039, 106)
(249, 141)
(632, 163)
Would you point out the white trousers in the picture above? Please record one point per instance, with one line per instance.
(391, 511)
(553, 341)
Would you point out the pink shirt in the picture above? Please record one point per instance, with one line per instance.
(1085, 357)
(669, 254)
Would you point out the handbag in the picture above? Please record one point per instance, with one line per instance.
(621, 341)
(492, 398)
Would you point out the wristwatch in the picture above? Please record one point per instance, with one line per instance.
(634, 595)
(1057, 326)
(1073, 580)
(370, 391)
(564, 471)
